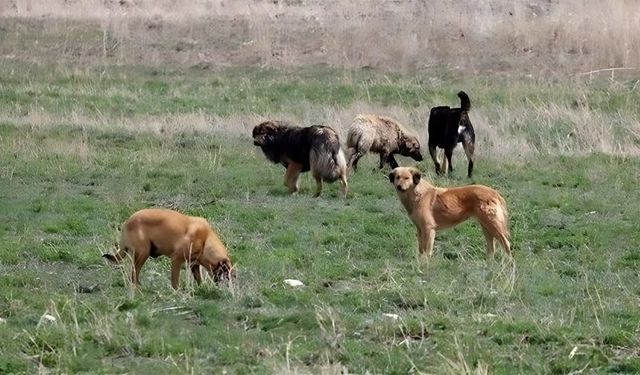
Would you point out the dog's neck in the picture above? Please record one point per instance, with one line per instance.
(415, 194)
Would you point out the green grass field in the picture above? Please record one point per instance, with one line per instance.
(571, 305)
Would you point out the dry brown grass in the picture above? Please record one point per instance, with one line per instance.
(473, 36)
(502, 132)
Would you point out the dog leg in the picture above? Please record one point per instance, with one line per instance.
(318, 186)
(344, 186)
(445, 166)
(426, 237)
(498, 231)
(491, 242)
(392, 161)
(354, 158)
(468, 150)
(504, 242)
(176, 264)
(430, 237)
(434, 156)
(195, 271)
(448, 153)
(421, 245)
(138, 262)
(291, 177)
(383, 157)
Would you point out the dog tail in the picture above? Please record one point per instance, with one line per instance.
(329, 164)
(465, 102)
(121, 254)
(503, 215)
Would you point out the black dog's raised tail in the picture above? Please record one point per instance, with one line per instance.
(465, 102)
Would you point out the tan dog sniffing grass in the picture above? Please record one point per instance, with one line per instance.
(155, 231)
(432, 208)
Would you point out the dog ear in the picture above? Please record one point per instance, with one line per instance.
(223, 271)
(392, 176)
(416, 176)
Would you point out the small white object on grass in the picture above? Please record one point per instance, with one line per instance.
(46, 318)
(293, 282)
(3, 320)
(392, 316)
(573, 352)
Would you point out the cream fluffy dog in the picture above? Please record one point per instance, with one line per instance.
(432, 208)
(382, 135)
(156, 231)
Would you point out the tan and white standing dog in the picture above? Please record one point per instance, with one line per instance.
(432, 208)
(156, 231)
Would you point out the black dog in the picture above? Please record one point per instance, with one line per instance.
(314, 148)
(447, 127)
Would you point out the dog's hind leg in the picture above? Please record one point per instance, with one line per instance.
(504, 242)
(354, 157)
(318, 185)
(433, 151)
(468, 150)
(138, 261)
(491, 242)
(447, 164)
(496, 228)
(140, 249)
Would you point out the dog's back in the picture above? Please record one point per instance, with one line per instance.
(381, 135)
(297, 143)
(372, 132)
(447, 124)
(443, 126)
(158, 227)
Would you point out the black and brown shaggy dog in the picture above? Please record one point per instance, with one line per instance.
(381, 135)
(448, 127)
(314, 148)
(434, 208)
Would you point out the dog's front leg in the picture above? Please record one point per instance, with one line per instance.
(291, 177)
(318, 186)
(420, 244)
(434, 156)
(383, 157)
(176, 264)
(428, 235)
(392, 161)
